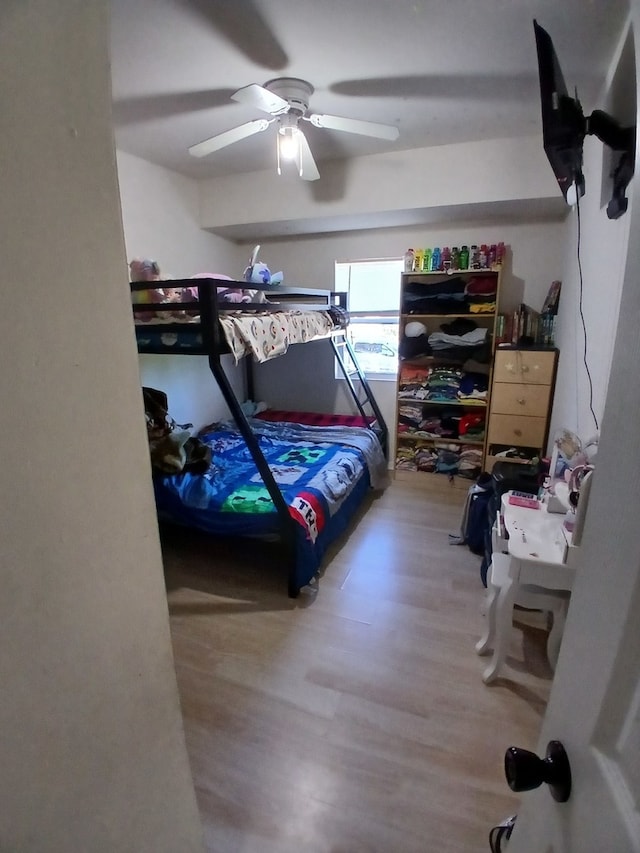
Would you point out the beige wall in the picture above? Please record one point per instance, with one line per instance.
(93, 755)
(412, 185)
(161, 218)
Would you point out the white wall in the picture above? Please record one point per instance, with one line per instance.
(93, 755)
(161, 218)
(536, 252)
(603, 252)
(493, 171)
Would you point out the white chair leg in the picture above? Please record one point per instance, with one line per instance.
(485, 643)
(503, 625)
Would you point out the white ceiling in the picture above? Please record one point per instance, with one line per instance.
(443, 71)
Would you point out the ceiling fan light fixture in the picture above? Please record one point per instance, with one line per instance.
(286, 99)
(288, 143)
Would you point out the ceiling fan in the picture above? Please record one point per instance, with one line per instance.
(286, 99)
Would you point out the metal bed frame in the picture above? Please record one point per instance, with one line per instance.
(209, 340)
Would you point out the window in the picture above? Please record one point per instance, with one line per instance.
(374, 301)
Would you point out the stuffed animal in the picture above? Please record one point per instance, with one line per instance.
(226, 294)
(252, 409)
(144, 269)
(259, 273)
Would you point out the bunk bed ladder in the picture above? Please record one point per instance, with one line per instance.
(359, 388)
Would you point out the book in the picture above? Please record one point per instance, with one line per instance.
(546, 330)
(524, 326)
(550, 305)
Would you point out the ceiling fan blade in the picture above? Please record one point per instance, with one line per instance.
(221, 140)
(261, 98)
(354, 125)
(308, 169)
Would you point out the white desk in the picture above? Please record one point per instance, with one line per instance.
(537, 571)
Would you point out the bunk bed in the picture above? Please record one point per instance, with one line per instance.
(299, 478)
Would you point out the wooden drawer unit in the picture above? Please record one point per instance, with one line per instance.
(517, 430)
(535, 367)
(521, 401)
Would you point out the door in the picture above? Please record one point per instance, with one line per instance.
(594, 708)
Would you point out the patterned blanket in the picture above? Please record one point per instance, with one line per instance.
(263, 335)
(267, 336)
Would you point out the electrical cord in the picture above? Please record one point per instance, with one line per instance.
(584, 325)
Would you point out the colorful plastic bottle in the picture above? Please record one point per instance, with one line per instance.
(464, 258)
(435, 259)
(408, 260)
(426, 260)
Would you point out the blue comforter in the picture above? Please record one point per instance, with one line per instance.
(323, 474)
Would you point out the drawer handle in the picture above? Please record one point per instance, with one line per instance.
(525, 368)
(517, 432)
(521, 400)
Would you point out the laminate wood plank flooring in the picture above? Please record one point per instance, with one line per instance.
(353, 719)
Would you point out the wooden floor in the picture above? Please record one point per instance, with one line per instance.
(354, 719)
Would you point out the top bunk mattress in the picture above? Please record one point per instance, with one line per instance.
(170, 320)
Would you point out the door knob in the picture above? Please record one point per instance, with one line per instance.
(525, 771)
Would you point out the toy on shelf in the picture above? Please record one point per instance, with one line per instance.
(482, 256)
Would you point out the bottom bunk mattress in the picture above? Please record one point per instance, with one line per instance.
(323, 473)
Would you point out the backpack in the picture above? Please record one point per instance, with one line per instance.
(493, 508)
(477, 515)
(172, 447)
